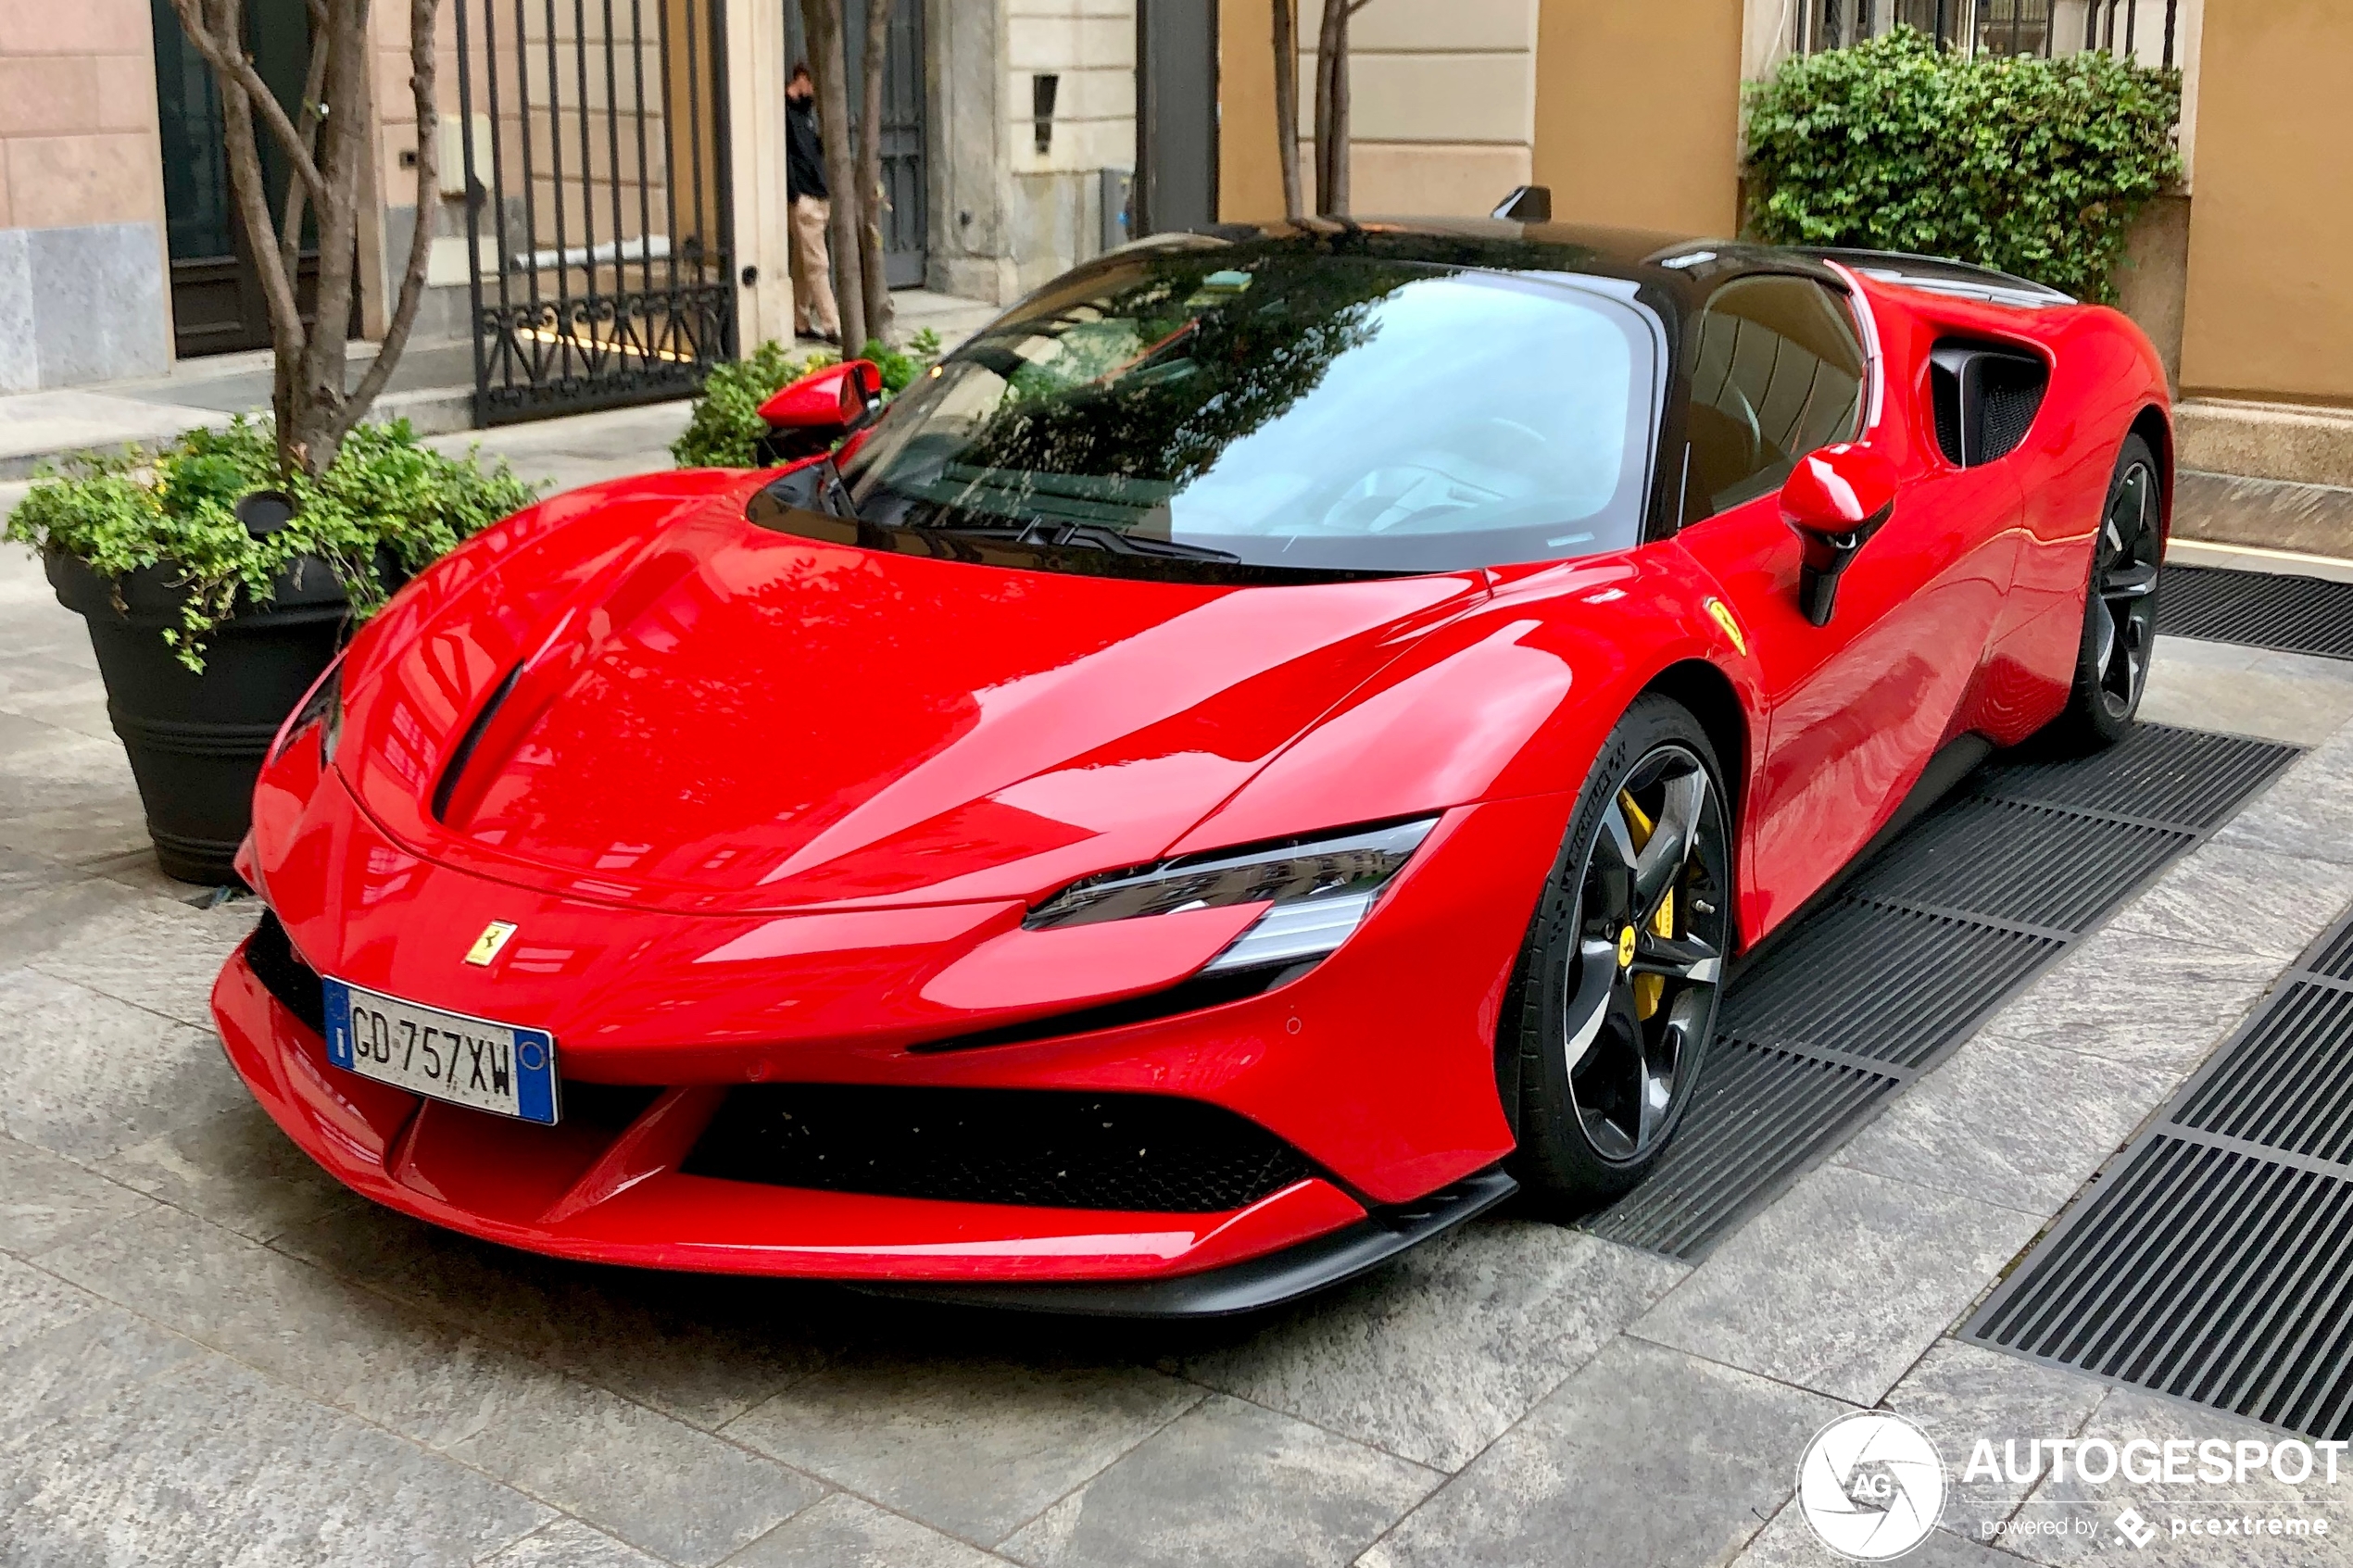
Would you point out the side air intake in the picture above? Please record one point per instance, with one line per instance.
(1985, 398)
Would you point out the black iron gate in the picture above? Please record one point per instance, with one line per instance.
(597, 214)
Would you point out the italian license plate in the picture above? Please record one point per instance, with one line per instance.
(495, 1067)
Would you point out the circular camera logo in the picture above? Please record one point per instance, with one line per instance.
(1871, 1486)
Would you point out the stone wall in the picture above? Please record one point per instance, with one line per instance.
(82, 279)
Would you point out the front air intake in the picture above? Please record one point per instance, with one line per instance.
(271, 957)
(1038, 1148)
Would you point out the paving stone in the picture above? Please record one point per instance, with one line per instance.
(1790, 1542)
(46, 1200)
(655, 1483)
(2245, 900)
(1645, 1457)
(2305, 812)
(34, 1303)
(2020, 1127)
(63, 906)
(567, 1543)
(2244, 691)
(1960, 1393)
(2141, 1000)
(970, 1445)
(96, 1356)
(44, 764)
(1433, 1358)
(2082, 1514)
(846, 1532)
(160, 956)
(701, 1347)
(235, 1168)
(329, 1338)
(1232, 1483)
(88, 1074)
(57, 692)
(1842, 1283)
(211, 1463)
(651, 1480)
(81, 829)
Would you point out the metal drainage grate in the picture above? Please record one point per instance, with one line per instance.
(2264, 609)
(1939, 930)
(2213, 1260)
(1051, 1148)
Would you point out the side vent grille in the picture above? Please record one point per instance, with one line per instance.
(1985, 399)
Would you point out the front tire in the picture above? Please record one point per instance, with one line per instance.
(1624, 961)
(2120, 608)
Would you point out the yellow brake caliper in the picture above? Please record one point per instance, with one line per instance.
(1648, 988)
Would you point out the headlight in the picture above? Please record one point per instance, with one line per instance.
(1316, 891)
(321, 709)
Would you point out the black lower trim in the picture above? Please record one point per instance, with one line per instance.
(283, 973)
(1247, 1287)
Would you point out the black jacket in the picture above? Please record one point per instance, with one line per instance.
(804, 154)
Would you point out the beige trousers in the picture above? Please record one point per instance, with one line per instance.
(813, 284)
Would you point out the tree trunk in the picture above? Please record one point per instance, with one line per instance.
(830, 71)
(1287, 104)
(879, 311)
(1331, 108)
(326, 153)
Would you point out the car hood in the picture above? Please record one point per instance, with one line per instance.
(632, 693)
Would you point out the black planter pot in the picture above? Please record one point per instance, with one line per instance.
(196, 742)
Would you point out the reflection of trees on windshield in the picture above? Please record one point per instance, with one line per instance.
(1163, 381)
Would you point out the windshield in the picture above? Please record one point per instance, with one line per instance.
(1311, 411)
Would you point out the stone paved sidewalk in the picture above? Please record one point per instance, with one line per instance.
(209, 1353)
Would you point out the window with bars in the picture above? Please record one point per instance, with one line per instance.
(2146, 30)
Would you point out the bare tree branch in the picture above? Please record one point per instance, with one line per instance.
(1287, 104)
(423, 85)
(314, 84)
(251, 196)
(226, 54)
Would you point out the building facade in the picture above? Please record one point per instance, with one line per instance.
(612, 209)
(1632, 115)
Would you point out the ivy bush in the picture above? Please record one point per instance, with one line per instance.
(2037, 167)
(726, 422)
(389, 502)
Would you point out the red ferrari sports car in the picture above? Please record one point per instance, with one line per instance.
(1265, 749)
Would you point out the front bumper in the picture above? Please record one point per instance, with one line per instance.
(602, 1192)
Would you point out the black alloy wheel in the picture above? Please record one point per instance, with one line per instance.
(1626, 962)
(2119, 609)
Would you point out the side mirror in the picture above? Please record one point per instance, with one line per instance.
(808, 416)
(1835, 499)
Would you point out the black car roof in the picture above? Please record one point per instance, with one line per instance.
(1676, 264)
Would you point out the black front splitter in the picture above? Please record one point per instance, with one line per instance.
(1248, 1286)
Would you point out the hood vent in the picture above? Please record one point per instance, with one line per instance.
(458, 759)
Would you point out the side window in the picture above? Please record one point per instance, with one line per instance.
(1778, 372)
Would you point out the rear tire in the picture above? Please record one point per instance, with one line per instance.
(1623, 965)
(2120, 608)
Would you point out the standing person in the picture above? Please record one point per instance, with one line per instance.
(815, 311)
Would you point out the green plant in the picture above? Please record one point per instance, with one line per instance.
(388, 500)
(2037, 167)
(726, 426)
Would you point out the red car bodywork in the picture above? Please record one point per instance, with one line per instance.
(768, 809)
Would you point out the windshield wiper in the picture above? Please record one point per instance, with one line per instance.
(1084, 535)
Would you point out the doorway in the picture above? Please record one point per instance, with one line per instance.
(216, 303)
